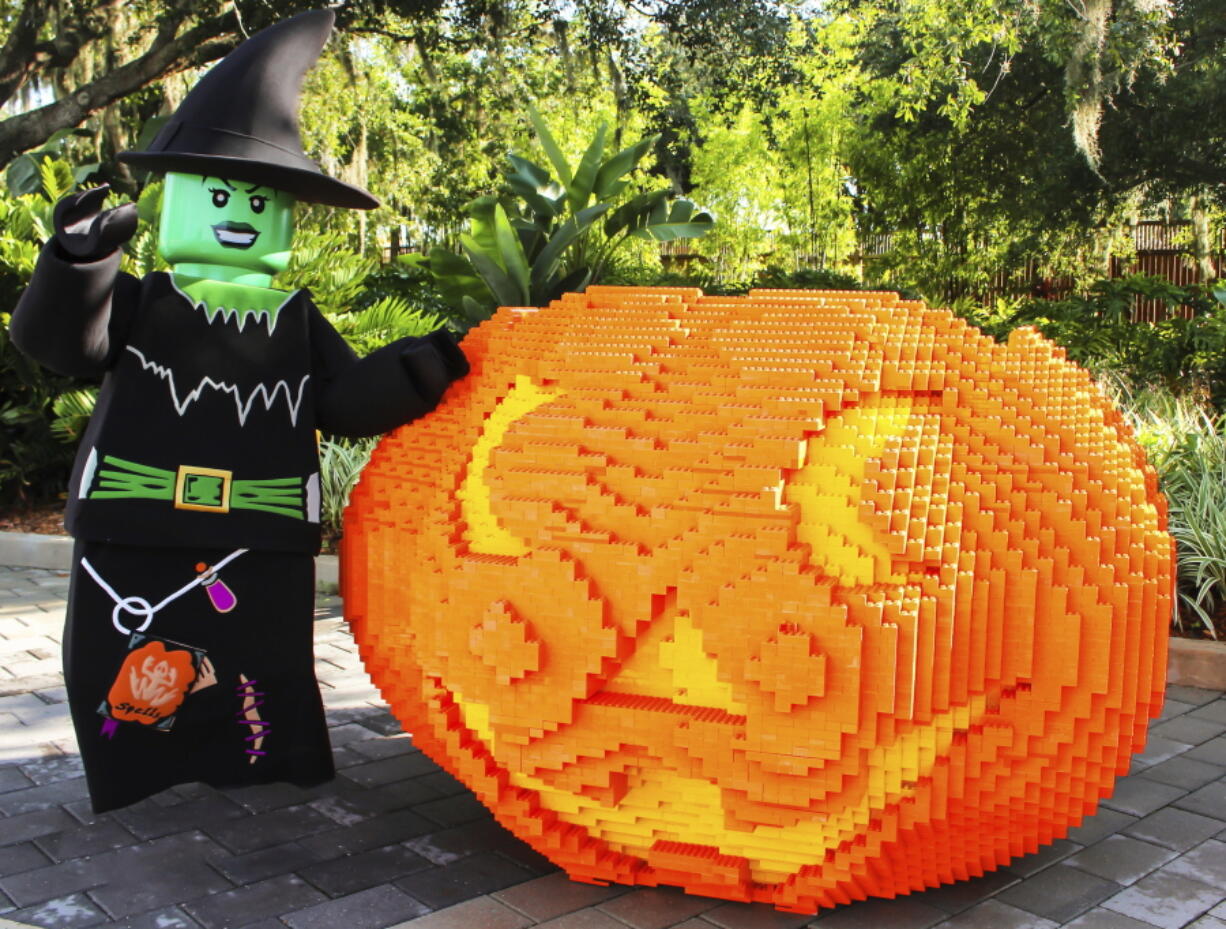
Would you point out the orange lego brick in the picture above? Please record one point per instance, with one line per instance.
(799, 597)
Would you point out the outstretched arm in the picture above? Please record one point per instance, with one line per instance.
(64, 319)
(388, 388)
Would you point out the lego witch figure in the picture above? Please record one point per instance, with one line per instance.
(195, 496)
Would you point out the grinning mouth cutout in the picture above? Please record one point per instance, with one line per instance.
(236, 235)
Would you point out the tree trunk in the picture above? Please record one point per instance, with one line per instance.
(167, 53)
(1202, 246)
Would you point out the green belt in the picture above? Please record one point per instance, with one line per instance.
(210, 490)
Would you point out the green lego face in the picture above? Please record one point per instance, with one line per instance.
(232, 224)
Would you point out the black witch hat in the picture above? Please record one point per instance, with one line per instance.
(240, 121)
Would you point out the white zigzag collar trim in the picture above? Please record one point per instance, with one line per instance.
(231, 314)
(243, 404)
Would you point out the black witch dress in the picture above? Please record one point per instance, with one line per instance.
(195, 503)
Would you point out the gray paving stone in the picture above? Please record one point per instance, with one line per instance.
(555, 894)
(997, 915)
(1183, 772)
(1043, 858)
(953, 898)
(1159, 749)
(1165, 899)
(24, 857)
(395, 796)
(151, 821)
(265, 798)
(275, 896)
(754, 916)
(1103, 823)
(1059, 893)
(453, 811)
(900, 913)
(1175, 828)
(43, 797)
(1140, 797)
(385, 747)
(273, 828)
(372, 833)
(26, 826)
(1102, 918)
(595, 919)
(341, 811)
(386, 770)
(68, 912)
(1205, 863)
(442, 782)
(375, 908)
(1213, 751)
(128, 881)
(83, 841)
(1189, 730)
(1214, 710)
(170, 917)
(353, 714)
(12, 779)
(352, 873)
(449, 845)
(655, 907)
(383, 722)
(477, 874)
(57, 768)
(1121, 859)
(349, 733)
(265, 863)
(1208, 922)
(1209, 800)
(483, 912)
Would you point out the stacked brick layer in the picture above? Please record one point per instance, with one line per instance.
(798, 597)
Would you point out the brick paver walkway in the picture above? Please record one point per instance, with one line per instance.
(394, 841)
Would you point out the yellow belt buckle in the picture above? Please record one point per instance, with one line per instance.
(204, 489)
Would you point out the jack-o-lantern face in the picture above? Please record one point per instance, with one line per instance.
(797, 597)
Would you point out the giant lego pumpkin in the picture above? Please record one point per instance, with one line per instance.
(793, 597)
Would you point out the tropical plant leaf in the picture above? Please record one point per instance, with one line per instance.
(544, 196)
(511, 251)
(56, 177)
(457, 279)
(608, 178)
(504, 288)
(481, 210)
(579, 190)
(679, 222)
(552, 151)
(634, 213)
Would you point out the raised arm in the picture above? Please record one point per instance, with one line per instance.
(66, 317)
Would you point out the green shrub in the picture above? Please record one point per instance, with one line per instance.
(340, 463)
(1186, 444)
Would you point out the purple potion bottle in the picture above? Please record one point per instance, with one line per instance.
(220, 594)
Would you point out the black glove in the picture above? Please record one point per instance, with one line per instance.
(433, 362)
(83, 233)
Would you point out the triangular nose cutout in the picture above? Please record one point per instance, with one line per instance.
(670, 662)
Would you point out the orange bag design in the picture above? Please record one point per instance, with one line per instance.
(151, 684)
(799, 597)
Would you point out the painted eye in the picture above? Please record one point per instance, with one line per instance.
(220, 197)
(257, 203)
